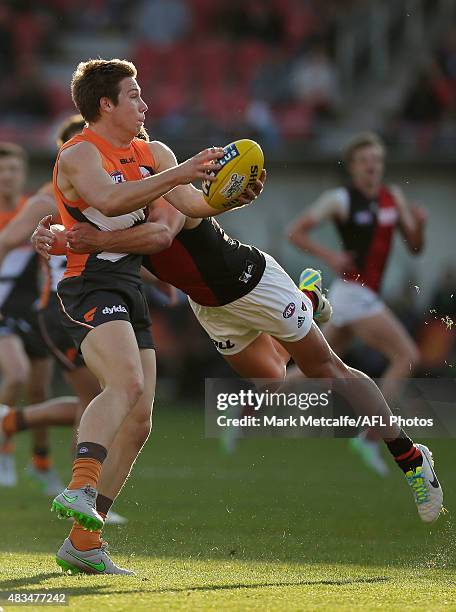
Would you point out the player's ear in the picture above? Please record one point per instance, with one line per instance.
(106, 105)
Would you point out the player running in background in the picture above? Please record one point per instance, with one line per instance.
(24, 362)
(257, 318)
(108, 176)
(366, 213)
(53, 335)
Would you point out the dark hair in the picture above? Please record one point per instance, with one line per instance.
(365, 139)
(69, 128)
(9, 149)
(96, 79)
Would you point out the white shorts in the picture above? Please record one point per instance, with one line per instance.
(275, 306)
(352, 301)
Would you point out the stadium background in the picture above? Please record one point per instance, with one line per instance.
(301, 77)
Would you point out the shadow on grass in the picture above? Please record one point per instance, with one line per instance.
(103, 589)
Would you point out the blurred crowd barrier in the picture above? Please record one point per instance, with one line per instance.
(297, 73)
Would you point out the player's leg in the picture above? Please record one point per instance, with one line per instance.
(338, 337)
(315, 358)
(111, 353)
(60, 411)
(37, 391)
(262, 358)
(384, 333)
(86, 387)
(14, 369)
(83, 545)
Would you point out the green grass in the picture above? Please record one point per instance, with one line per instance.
(280, 525)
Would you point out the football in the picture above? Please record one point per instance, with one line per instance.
(241, 165)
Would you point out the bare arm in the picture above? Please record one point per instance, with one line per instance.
(20, 229)
(81, 175)
(328, 206)
(412, 221)
(164, 223)
(187, 198)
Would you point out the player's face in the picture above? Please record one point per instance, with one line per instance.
(368, 164)
(12, 176)
(131, 109)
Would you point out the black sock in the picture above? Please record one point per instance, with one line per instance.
(405, 453)
(41, 451)
(91, 450)
(103, 504)
(21, 423)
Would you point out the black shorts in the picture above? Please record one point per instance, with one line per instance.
(87, 303)
(24, 325)
(56, 337)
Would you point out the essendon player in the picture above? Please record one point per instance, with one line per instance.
(256, 317)
(366, 213)
(108, 176)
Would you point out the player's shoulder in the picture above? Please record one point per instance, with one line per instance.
(336, 199)
(164, 156)
(46, 190)
(77, 152)
(158, 147)
(339, 194)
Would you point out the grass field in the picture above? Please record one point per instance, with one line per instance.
(281, 525)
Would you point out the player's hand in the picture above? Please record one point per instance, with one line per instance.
(169, 291)
(342, 262)
(251, 193)
(419, 214)
(84, 238)
(200, 166)
(42, 238)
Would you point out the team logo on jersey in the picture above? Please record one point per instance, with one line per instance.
(289, 310)
(117, 177)
(387, 216)
(248, 271)
(363, 217)
(301, 321)
(90, 314)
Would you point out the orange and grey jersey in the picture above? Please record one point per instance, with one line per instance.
(19, 273)
(122, 164)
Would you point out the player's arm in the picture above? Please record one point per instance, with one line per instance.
(187, 198)
(21, 227)
(412, 221)
(152, 237)
(81, 172)
(329, 206)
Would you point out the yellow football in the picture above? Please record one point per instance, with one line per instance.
(241, 165)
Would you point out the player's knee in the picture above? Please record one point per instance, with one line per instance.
(139, 428)
(408, 358)
(131, 386)
(16, 379)
(412, 356)
(142, 432)
(135, 388)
